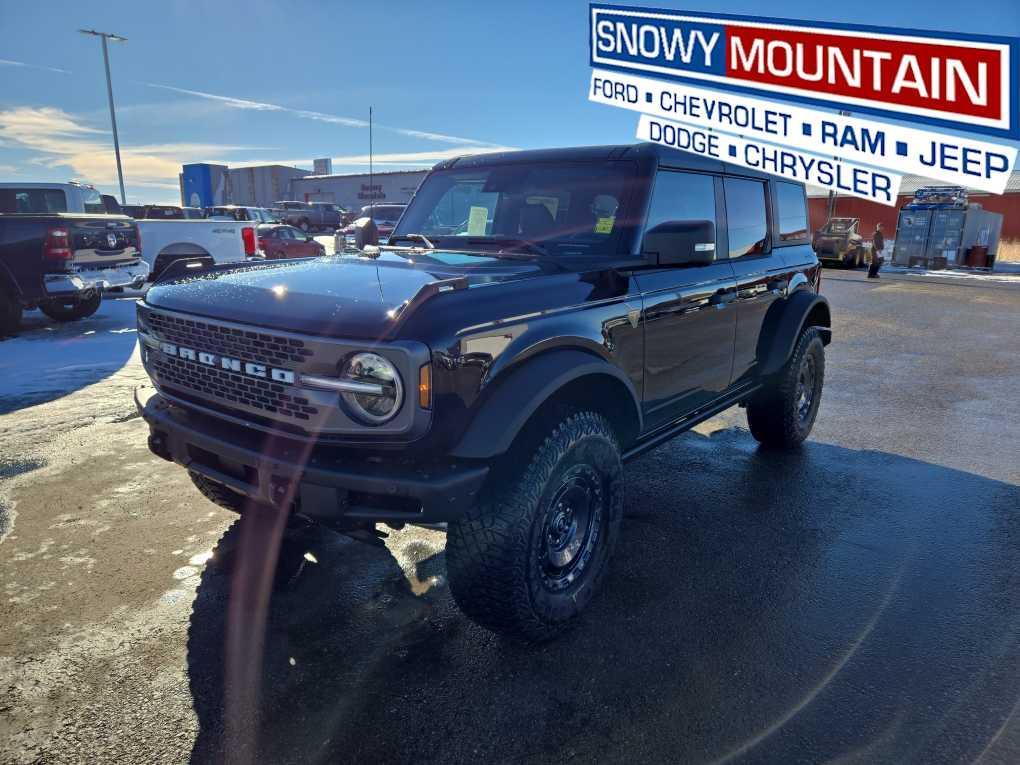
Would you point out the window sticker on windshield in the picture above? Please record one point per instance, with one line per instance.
(604, 225)
(478, 218)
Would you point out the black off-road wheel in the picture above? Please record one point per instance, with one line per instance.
(529, 557)
(10, 314)
(72, 311)
(782, 414)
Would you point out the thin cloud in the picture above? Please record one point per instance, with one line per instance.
(59, 140)
(244, 103)
(8, 62)
(391, 159)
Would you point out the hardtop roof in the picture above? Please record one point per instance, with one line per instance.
(647, 153)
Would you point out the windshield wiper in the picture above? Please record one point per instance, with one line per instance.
(413, 238)
(507, 247)
(534, 247)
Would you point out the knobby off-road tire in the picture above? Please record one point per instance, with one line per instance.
(217, 493)
(529, 557)
(81, 309)
(782, 414)
(10, 314)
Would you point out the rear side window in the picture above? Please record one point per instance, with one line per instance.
(793, 224)
(681, 196)
(33, 201)
(746, 220)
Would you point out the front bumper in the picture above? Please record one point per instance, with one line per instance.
(322, 483)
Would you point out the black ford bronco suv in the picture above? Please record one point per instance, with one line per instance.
(537, 319)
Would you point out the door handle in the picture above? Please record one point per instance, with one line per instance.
(779, 286)
(722, 298)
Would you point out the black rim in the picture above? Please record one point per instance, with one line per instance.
(572, 528)
(806, 388)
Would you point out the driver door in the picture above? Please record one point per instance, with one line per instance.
(689, 318)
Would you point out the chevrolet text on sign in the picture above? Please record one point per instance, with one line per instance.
(965, 161)
(963, 81)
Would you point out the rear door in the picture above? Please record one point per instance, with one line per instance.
(763, 275)
(689, 321)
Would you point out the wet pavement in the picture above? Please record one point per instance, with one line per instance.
(857, 601)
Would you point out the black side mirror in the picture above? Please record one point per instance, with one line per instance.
(111, 205)
(681, 242)
(365, 233)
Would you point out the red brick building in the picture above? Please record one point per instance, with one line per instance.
(871, 213)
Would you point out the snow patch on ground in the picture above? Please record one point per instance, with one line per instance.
(49, 360)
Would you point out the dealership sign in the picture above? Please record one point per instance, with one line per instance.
(966, 82)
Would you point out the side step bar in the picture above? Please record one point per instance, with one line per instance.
(685, 423)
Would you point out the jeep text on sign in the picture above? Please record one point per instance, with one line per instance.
(962, 81)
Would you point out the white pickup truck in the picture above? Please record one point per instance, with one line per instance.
(163, 242)
(196, 241)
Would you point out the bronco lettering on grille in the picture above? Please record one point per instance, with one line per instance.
(227, 363)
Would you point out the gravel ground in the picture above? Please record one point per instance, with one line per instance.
(857, 601)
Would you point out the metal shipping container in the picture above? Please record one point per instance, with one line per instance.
(939, 228)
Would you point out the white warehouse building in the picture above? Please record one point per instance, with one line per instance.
(353, 192)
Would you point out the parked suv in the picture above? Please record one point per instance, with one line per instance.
(537, 319)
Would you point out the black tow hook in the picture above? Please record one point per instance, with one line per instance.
(158, 446)
(280, 489)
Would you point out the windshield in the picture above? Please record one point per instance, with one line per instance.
(567, 208)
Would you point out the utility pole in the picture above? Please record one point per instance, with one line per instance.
(831, 209)
(104, 36)
(371, 183)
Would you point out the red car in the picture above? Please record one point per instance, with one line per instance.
(277, 241)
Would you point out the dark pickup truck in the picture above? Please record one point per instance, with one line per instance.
(60, 263)
(536, 319)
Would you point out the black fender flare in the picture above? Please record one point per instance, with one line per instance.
(785, 322)
(518, 393)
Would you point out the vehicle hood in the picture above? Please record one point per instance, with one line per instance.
(331, 296)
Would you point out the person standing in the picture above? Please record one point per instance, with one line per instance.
(877, 246)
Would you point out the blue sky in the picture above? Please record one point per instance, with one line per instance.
(259, 82)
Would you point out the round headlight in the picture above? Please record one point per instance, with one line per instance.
(381, 389)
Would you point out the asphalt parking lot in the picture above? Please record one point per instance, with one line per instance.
(858, 601)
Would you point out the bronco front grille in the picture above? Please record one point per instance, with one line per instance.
(228, 387)
(260, 347)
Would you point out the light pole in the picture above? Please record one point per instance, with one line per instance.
(104, 36)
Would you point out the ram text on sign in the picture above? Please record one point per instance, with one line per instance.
(967, 82)
(965, 161)
(844, 177)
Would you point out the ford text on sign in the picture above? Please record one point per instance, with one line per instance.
(962, 81)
